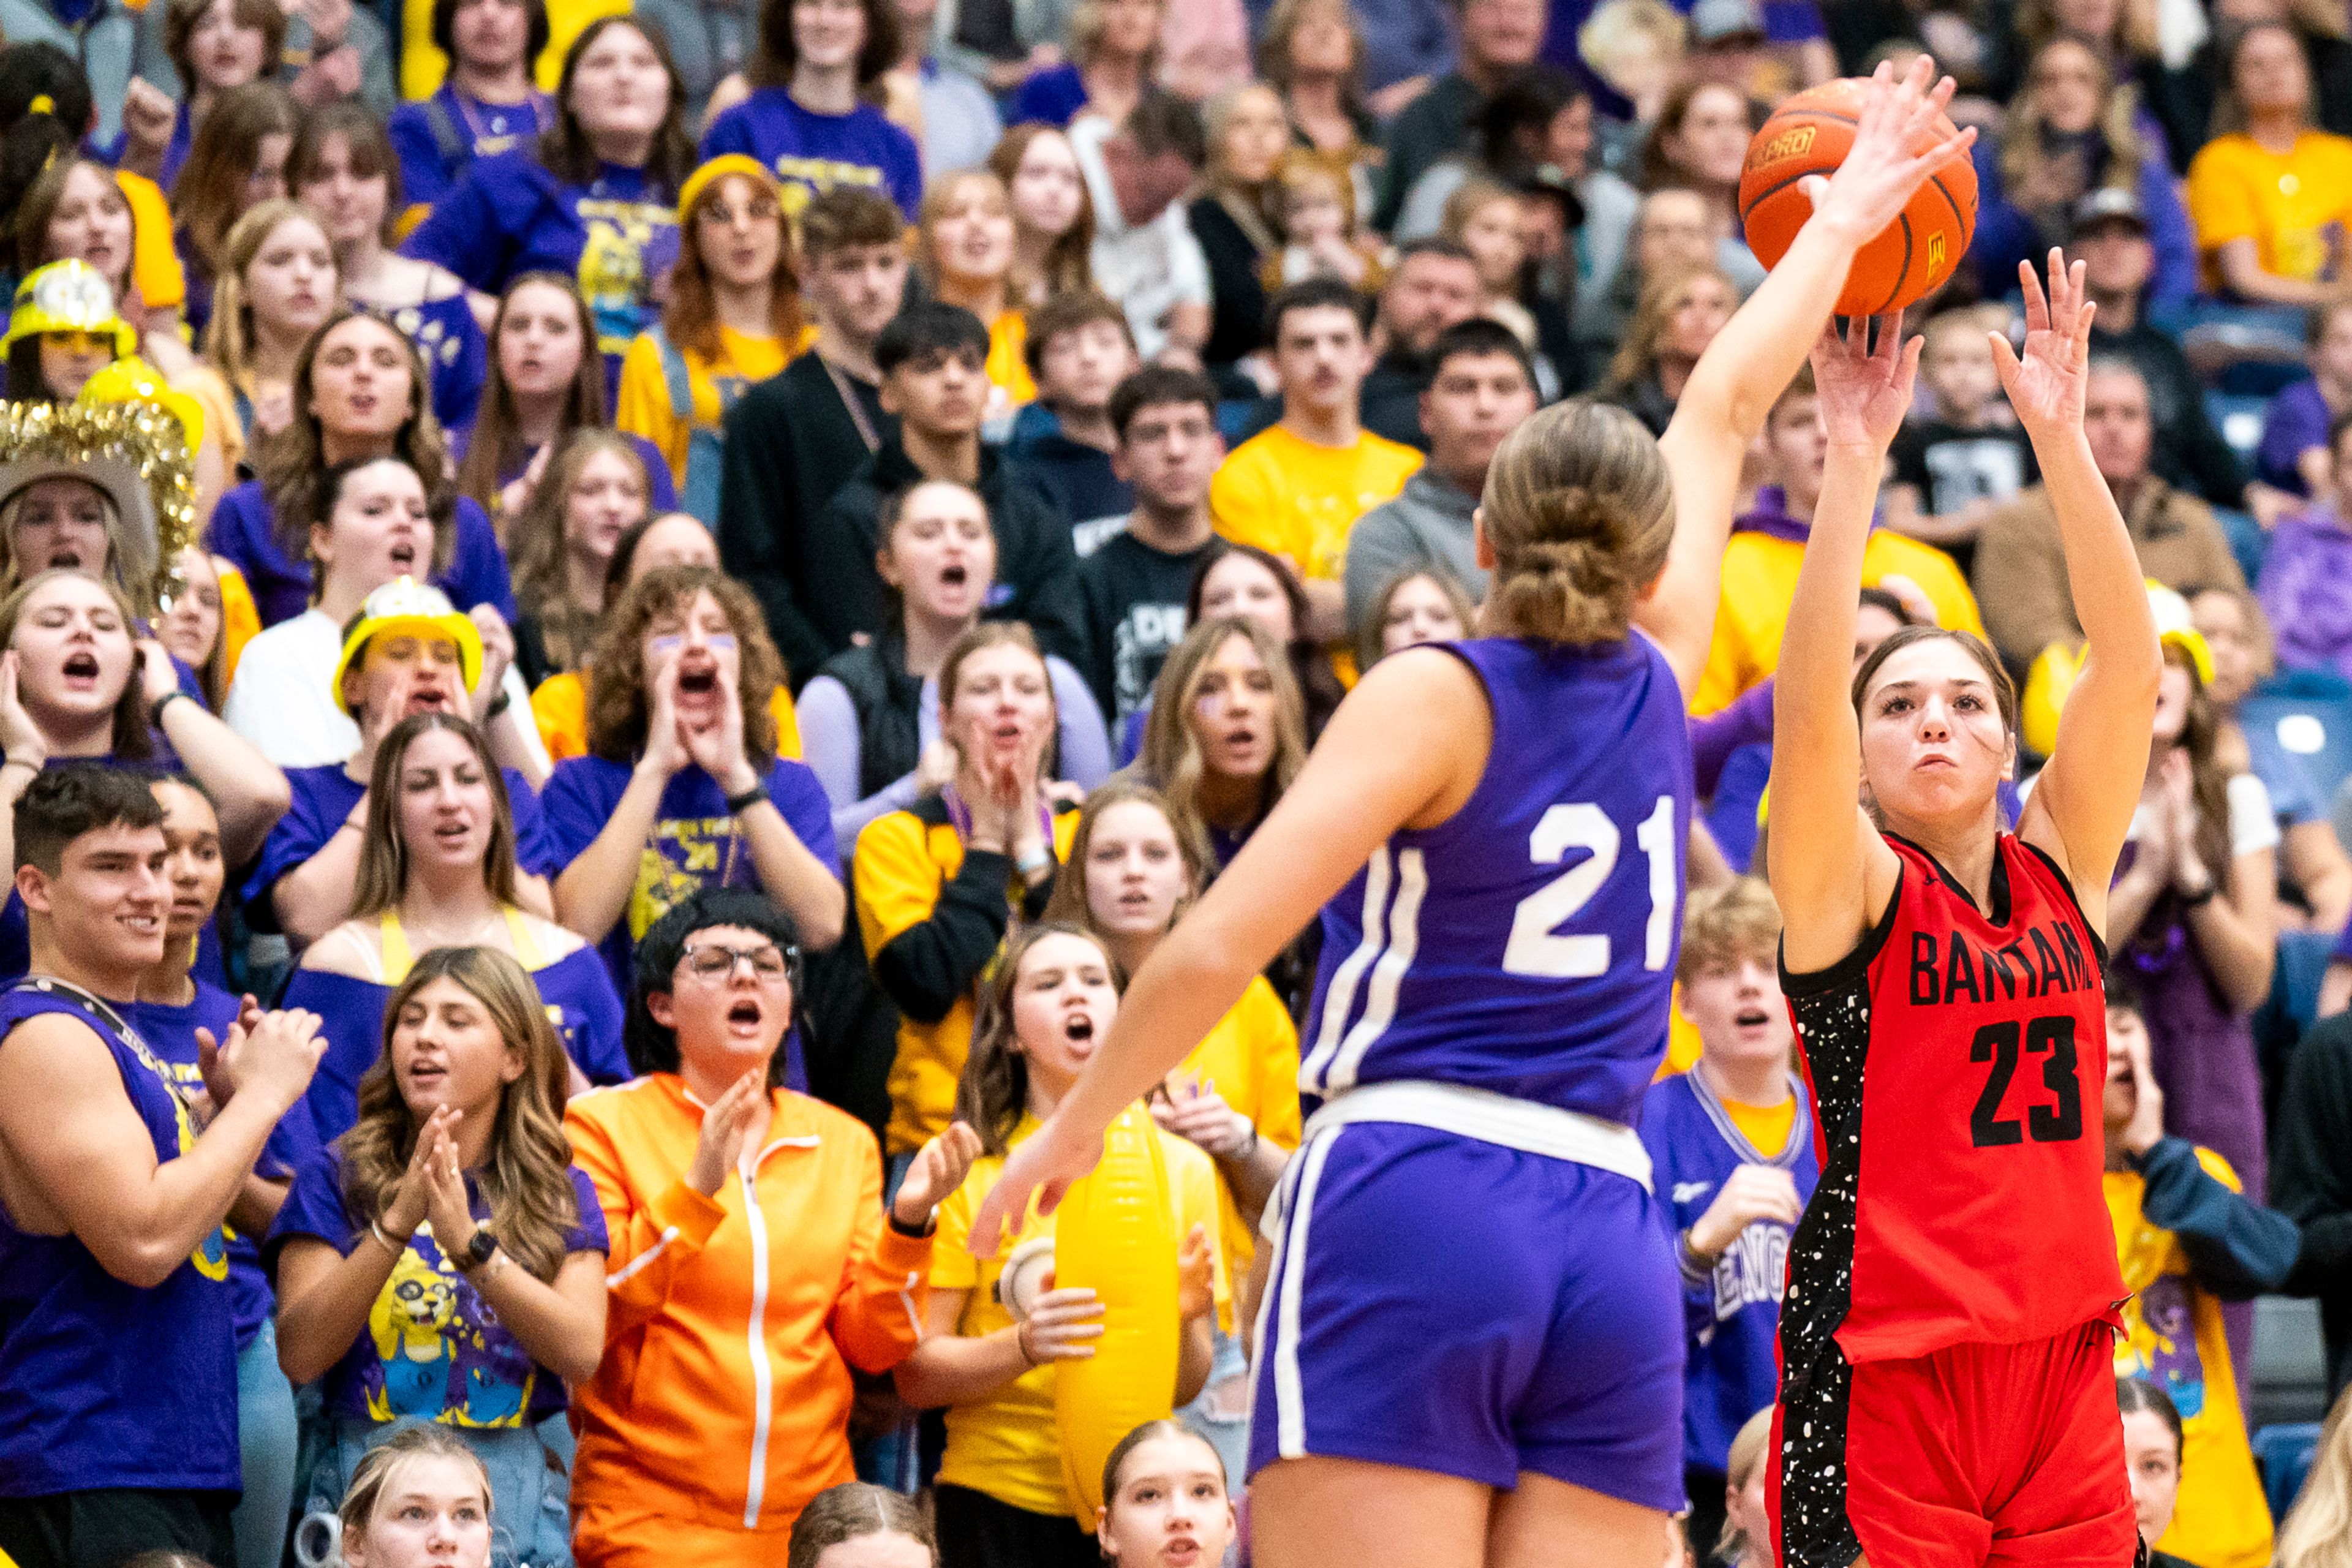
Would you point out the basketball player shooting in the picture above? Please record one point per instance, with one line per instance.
(1947, 1338)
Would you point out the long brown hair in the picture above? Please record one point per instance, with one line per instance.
(209, 194)
(229, 334)
(383, 852)
(618, 710)
(496, 445)
(993, 1089)
(294, 461)
(542, 551)
(1658, 166)
(565, 151)
(2023, 154)
(1069, 904)
(1665, 292)
(690, 317)
(40, 205)
(1172, 753)
(2229, 117)
(1274, 52)
(1069, 260)
(1580, 512)
(526, 1176)
(777, 56)
(132, 740)
(2200, 738)
(366, 145)
(182, 18)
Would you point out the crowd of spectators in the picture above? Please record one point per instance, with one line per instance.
(747, 568)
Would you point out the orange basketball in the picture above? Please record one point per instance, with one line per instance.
(1811, 134)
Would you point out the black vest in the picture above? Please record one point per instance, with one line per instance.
(889, 701)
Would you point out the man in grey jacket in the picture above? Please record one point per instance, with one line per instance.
(1481, 387)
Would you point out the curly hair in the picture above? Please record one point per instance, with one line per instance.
(383, 850)
(618, 709)
(1171, 752)
(526, 1176)
(293, 463)
(994, 1090)
(540, 551)
(1580, 512)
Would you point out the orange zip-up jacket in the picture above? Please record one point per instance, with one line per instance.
(722, 1405)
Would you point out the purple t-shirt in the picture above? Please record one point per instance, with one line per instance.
(696, 843)
(812, 152)
(2295, 421)
(2305, 589)
(243, 527)
(432, 1348)
(323, 797)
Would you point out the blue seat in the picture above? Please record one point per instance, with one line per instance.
(2240, 420)
(2249, 540)
(2284, 1454)
(2310, 715)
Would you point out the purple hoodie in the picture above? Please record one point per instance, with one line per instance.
(2306, 590)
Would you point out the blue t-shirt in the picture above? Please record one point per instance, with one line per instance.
(432, 1348)
(244, 529)
(695, 843)
(1049, 96)
(484, 131)
(1524, 945)
(576, 991)
(1731, 1312)
(456, 355)
(812, 152)
(323, 797)
(617, 236)
(105, 1384)
(171, 1033)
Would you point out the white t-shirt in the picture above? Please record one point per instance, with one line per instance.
(1150, 268)
(282, 699)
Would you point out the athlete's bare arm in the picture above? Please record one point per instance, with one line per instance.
(1750, 362)
(1830, 871)
(2082, 806)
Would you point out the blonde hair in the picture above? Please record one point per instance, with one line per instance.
(1618, 32)
(1723, 925)
(1749, 1448)
(1171, 758)
(2318, 1533)
(1579, 510)
(1661, 297)
(228, 335)
(2023, 155)
(374, 1475)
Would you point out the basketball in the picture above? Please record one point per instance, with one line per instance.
(1809, 134)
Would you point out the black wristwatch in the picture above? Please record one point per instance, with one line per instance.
(481, 1248)
(738, 803)
(155, 711)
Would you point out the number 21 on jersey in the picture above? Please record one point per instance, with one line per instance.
(1537, 946)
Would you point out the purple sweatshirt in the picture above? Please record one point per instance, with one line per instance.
(2306, 590)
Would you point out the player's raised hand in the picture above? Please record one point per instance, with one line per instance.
(1880, 173)
(1865, 391)
(2049, 386)
(1053, 1157)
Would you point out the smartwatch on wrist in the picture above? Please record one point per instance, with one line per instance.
(737, 805)
(481, 1248)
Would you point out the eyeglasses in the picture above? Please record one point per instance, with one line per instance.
(718, 962)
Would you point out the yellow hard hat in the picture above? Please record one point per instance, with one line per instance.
(132, 379)
(2058, 667)
(67, 297)
(406, 605)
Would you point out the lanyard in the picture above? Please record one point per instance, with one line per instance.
(848, 395)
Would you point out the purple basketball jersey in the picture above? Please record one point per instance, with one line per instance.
(1526, 945)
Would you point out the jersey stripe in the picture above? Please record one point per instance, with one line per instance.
(1388, 975)
(1340, 999)
(1289, 1391)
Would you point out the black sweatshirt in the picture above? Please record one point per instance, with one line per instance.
(2311, 1181)
(791, 445)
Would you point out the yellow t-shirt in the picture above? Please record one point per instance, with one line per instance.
(560, 709)
(240, 620)
(1251, 1058)
(2239, 190)
(1008, 363)
(1300, 499)
(2173, 1337)
(1766, 1127)
(645, 408)
(1005, 1446)
(154, 261)
(1760, 579)
(902, 862)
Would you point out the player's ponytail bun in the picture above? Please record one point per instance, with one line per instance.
(1580, 510)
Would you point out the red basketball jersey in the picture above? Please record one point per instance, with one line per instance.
(1957, 1059)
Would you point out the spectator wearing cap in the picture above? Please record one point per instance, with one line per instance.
(2073, 132)
(2295, 454)
(1498, 37)
(2111, 239)
(407, 652)
(1480, 388)
(2271, 195)
(1763, 50)
(2021, 572)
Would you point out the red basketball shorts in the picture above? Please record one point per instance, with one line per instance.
(1971, 1455)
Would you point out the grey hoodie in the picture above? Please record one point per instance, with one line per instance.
(1428, 525)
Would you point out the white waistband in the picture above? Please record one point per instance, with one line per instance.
(1491, 1117)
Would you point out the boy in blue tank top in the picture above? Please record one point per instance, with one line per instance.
(118, 1347)
(1732, 1142)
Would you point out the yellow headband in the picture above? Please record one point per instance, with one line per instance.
(718, 169)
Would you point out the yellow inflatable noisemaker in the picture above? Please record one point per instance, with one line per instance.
(1116, 1235)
